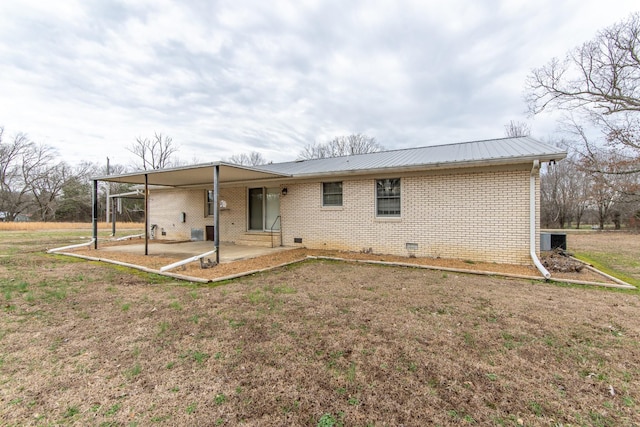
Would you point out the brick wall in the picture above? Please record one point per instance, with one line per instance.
(233, 219)
(481, 216)
(165, 207)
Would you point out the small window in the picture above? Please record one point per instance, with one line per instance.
(209, 204)
(332, 194)
(388, 197)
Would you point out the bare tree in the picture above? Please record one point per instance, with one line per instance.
(560, 191)
(341, 146)
(33, 181)
(603, 196)
(599, 81)
(154, 153)
(611, 164)
(602, 74)
(254, 158)
(13, 192)
(581, 203)
(74, 202)
(516, 129)
(46, 188)
(23, 165)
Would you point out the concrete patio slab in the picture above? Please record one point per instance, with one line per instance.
(229, 252)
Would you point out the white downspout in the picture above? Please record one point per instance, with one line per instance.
(532, 220)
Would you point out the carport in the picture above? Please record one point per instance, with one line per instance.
(215, 173)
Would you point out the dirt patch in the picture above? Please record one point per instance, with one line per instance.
(288, 256)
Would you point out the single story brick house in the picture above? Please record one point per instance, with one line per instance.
(474, 200)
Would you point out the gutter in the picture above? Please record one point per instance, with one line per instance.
(532, 220)
(377, 172)
(444, 165)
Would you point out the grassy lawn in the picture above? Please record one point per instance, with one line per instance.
(314, 344)
(614, 253)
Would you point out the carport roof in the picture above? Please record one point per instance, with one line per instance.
(201, 174)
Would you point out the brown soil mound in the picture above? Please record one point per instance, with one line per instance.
(561, 261)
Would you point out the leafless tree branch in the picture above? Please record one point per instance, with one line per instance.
(341, 146)
(602, 74)
(154, 153)
(516, 129)
(254, 158)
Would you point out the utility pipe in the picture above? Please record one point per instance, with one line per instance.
(79, 245)
(186, 261)
(532, 220)
(133, 236)
(137, 267)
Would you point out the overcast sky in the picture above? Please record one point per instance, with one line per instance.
(221, 77)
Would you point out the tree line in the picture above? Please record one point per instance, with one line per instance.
(35, 185)
(573, 194)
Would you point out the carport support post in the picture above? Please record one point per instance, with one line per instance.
(94, 213)
(216, 211)
(146, 214)
(113, 216)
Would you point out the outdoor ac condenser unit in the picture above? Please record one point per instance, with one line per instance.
(551, 241)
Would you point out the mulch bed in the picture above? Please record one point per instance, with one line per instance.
(557, 264)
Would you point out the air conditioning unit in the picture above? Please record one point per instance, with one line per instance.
(551, 241)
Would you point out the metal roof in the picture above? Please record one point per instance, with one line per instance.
(465, 154)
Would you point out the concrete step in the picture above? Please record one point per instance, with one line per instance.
(257, 236)
(259, 239)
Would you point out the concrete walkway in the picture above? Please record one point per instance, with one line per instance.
(228, 251)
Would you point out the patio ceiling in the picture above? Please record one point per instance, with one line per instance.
(193, 175)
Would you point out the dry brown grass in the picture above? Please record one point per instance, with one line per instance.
(90, 344)
(41, 226)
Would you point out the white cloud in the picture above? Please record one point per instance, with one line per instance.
(226, 77)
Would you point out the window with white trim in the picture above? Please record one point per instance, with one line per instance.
(388, 197)
(209, 207)
(332, 193)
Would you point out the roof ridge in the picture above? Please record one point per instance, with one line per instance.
(407, 149)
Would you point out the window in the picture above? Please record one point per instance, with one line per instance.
(388, 197)
(209, 204)
(332, 194)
